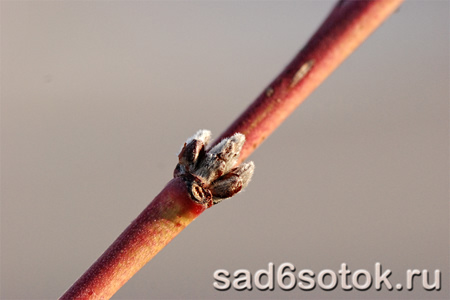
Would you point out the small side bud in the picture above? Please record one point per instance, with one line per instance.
(245, 173)
(225, 187)
(211, 175)
(221, 158)
(232, 183)
(192, 151)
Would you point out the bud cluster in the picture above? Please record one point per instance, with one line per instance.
(211, 175)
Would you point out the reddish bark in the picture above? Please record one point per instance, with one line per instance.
(169, 213)
(347, 26)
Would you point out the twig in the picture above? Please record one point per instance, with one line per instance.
(192, 191)
(345, 28)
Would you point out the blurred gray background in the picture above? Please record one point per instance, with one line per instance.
(97, 98)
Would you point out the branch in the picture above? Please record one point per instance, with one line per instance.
(193, 189)
(345, 28)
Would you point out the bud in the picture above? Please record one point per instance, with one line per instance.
(211, 176)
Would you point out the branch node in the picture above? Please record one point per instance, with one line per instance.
(211, 176)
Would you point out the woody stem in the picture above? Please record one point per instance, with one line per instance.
(345, 28)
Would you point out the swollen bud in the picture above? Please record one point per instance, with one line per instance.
(212, 176)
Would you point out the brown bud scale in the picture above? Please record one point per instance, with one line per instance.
(210, 176)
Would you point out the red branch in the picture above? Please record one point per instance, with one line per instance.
(347, 26)
(169, 213)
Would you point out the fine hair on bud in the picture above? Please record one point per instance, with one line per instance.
(212, 174)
